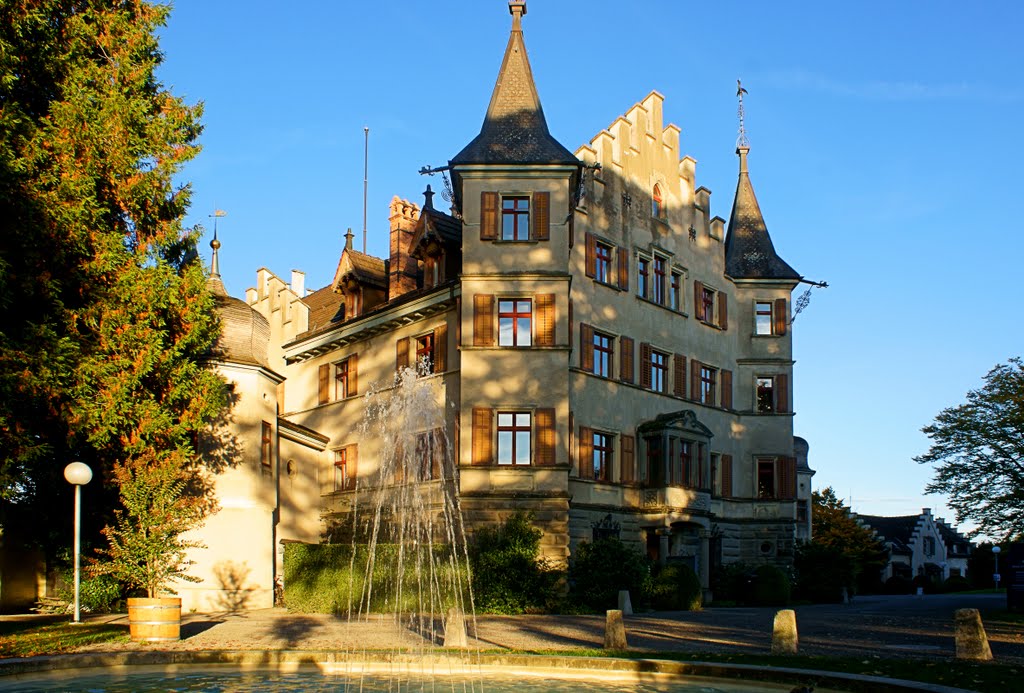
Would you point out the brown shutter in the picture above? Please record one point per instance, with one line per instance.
(402, 353)
(542, 216)
(572, 440)
(782, 393)
(586, 453)
(779, 317)
(353, 375)
(437, 453)
(586, 347)
(645, 365)
(626, 360)
(545, 319)
(483, 435)
(325, 383)
(726, 475)
(695, 380)
(679, 379)
(352, 461)
(726, 389)
(483, 320)
(458, 322)
(628, 465)
(698, 303)
(623, 261)
(787, 477)
(591, 255)
(723, 310)
(441, 348)
(545, 449)
(488, 216)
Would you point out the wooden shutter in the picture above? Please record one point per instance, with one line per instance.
(458, 322)
(623, 262)
(545, 426)
(352, 462)
(586, 347)
(402, 353)
(726, 389)
(353, 375)
(483, 320)
(488, 216)
(572, 439)
(782, 393)
(545, 319)
(325, 383)
(483, 435)
(570, 323)
(679, 375)
(628, 473)
(726, 475)
(586, 453)
(591, 255)
(787, 477)
(542, 216)
(695, 380)
(441, 348)
(723, 310)
(626, 360)
(698, 299)
(779, 317)
(645, 365)
(438, 452)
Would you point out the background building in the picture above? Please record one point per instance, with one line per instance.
(920, 545)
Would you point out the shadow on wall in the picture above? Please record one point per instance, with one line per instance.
(234, 595)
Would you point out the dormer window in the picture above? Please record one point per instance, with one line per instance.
(657, 207)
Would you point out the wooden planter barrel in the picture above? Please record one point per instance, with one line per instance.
(155, 620)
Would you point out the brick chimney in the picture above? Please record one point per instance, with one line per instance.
(403, 269)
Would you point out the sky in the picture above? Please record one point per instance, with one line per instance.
(883, 154)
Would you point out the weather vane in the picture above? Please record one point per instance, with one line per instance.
(742, 140)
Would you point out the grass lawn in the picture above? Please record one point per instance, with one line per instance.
(31, 638)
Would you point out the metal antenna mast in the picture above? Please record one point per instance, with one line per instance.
(742, 140)
(366, 165)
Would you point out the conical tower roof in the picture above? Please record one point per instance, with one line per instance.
(749, 253)
(514, 129)
(244, 332)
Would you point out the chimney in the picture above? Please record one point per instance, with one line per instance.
(299, 283)
(403, 270)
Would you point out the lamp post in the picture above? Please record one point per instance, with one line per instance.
(995, 552)
(78, 474)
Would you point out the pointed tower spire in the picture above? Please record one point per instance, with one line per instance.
(214, 283)
(749, 252)
(514, 129)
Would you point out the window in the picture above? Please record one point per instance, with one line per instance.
(707, 385)
(344, 469)
(514, 322)
(425, 354)
(707, 305)
(658, 287)
(602, 355)
(655, 471)
(429, 454)
(602, 456)
(762, 318)
(766, 478)
(659, 371)
(267, 445)
(602, 262)
(801, 511)
(929, 546)
(515, 218)
(675, 291)
(643, 277)
(341, 379)
(765, 394)
(657, 206)
(513, 438)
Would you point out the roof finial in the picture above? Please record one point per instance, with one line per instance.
(215, 244)
(428, 195)
(348, 238)
(517, 8)
(742, 140)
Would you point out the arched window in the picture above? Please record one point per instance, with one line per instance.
(657, 208)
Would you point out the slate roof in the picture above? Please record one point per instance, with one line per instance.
(897, 530)
(749, 253)
(515, 130)
(368, 269)
(435, 224)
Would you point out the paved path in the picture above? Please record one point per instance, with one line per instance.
(883, 626)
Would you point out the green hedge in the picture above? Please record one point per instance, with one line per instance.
(324, 578)
(676, 587)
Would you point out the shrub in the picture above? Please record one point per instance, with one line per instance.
(822, 572)
(732, 582)
(97, 594)
(509, 577)
(676, 587)
(898, 584)
(929, 584)
(600, 569)
(771, 587)
(956, 583)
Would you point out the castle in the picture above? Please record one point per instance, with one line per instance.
(608, 356)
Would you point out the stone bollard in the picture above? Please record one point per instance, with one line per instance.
(784, 637)
(971, 641)
(455, 629)
(614, 631)
(625, 606)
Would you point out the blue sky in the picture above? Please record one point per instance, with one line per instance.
(882, 154)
